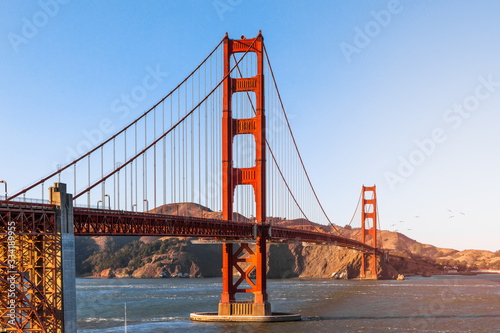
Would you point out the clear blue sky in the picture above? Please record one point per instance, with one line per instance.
(362, 82)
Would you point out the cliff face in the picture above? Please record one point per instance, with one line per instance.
(297, 260)
(184, 259)
(154, 257)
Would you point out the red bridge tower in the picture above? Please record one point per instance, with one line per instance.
(254, 176)
(369, 214)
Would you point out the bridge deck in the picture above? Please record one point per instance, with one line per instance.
(104, 222)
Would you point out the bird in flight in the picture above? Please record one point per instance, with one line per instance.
(417, 217)
(462, 213)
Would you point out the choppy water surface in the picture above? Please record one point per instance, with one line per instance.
(437, 304)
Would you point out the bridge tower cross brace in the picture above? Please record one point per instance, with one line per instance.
(369, 214)
(254, 176)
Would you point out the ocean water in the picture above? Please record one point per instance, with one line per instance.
(436, 304)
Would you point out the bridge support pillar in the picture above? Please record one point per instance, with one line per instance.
(64, 225)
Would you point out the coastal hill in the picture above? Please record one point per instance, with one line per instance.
(151, 256)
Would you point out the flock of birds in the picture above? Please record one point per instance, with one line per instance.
(451, 216)
(451, 213)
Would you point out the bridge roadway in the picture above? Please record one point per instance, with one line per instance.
(39, 218)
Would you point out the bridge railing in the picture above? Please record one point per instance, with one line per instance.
(26, 200)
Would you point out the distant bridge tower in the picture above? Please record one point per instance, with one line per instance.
(254, 176)
(369, 215)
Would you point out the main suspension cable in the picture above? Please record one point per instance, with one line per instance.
(60, 170)
(180, 121)
(295, 144)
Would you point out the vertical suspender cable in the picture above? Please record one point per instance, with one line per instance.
(118, 190)
(88, 193)
(172, 154)
(74, 180)
(206, 142)
(186, 153)
(212, 132)
(199, 142)
(114, 175)
(136, 179)
(103, 189)
(164, 157)
(192, 143)
(125, 171)
(132, 186)
(296, 148)
(184, 146)
(177, 177)
(145, 166)
(154, 159)
(215, 136)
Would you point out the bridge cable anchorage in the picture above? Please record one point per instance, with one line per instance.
(295, 144)
(179, 122)
(60, 170)
(275, 161)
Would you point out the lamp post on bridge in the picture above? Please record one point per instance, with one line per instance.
(5, 183)
(104, 203)
(109, 202)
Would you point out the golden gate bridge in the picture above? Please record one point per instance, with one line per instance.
(220, 140)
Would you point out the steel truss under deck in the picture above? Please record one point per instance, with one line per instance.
(30, 266)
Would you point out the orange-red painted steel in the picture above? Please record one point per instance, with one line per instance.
(38, 221)
(106, 222)
(254, 176)
(33, 271)
(369, 213)
(35, 219)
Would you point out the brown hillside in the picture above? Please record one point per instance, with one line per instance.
(406, 255)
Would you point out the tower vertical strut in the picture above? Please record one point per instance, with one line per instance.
(254, 176)
(369, 214)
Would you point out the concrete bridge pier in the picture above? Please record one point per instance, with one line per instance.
(65, 226)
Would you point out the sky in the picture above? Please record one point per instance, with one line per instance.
(401, 94)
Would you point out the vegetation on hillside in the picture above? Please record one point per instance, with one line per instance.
(117, 254)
